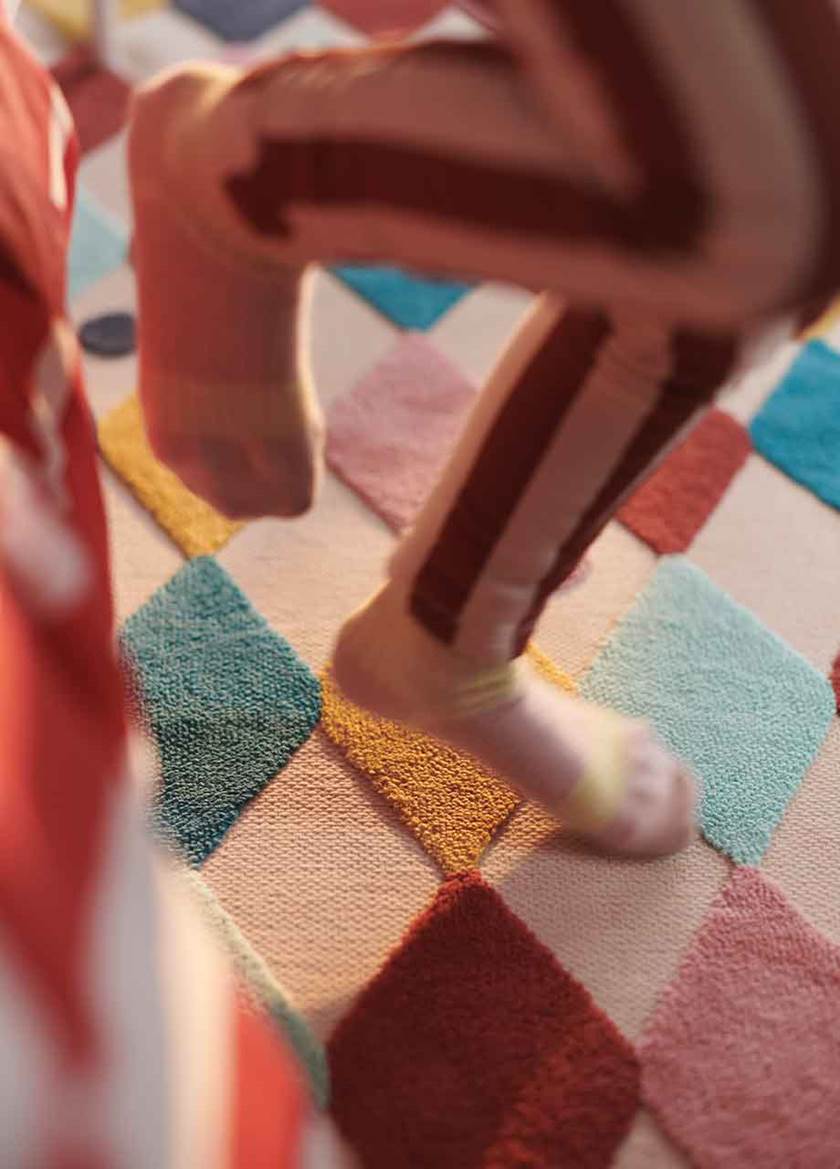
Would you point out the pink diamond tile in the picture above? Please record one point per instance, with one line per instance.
(741, 1059)
(389, 436)
(617, 925)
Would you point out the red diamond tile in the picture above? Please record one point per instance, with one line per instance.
(98, 99)
(385, 16)
(669, 509)
(472, 1047)
(835, 680)
(741, 1060)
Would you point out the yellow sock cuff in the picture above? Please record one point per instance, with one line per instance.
(596, 797)
(484, 689)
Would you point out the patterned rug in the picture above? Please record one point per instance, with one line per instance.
(489, 994)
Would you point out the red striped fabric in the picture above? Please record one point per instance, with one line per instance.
(64, 776)
(517, 441)
(700, 366)
(666, 215)
(806, 37)
(268, 1106)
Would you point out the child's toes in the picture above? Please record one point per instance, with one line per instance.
(658, 813)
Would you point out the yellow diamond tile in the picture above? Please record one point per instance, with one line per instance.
(450, 802)
(194, 525)
(73, 17)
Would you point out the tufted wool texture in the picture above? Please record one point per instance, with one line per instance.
(472, 1047)
(448, 800)
(412, 302)
(576, 623)
(798, 428)
(389, 436)
(194, 525)
(740, 1058)
(549, 670)
(98, 99)
(669, 509)
(227, 700)
(98, 245)
(725, 693)
(321, 882)
(619, 926)
(451, 804)
(318, 872)
(804, 858)
(771, 567)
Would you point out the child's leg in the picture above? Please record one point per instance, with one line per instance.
(225, 402)
(578, 410)
(445, 157)
(623, 190)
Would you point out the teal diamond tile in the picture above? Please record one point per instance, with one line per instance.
(226, 698)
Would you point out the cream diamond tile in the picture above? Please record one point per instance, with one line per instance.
(306, 575)
(162, 39)
(620, 926)
(804, 857)
(647, 1147)
(142, 557)
(576, 622)
(321, 880)
(40, 34)
(453, 24)
(345, 337)
(474, 333)
(743, 397)
(775, 548)
(308, 29)
(103, 173)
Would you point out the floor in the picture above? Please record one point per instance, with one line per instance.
(674, 1012)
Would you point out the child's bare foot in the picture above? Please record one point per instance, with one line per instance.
(606, 777)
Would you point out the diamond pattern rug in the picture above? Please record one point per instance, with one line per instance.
(549, 1007)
